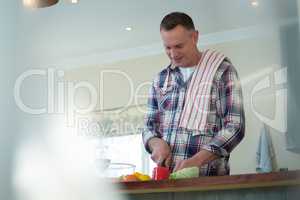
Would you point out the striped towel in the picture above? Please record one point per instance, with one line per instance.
(196, 108)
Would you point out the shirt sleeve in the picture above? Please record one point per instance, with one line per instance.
(151, 128)
(230, 110)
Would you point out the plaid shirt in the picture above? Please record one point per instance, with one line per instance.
(225, 123)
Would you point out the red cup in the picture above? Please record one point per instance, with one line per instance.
(160, 173)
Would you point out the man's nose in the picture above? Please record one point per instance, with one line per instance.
(173, 53)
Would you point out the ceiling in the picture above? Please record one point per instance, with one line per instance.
(67, 30)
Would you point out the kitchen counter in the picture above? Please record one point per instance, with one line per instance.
(284, 184)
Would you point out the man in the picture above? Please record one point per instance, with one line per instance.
(195, 112)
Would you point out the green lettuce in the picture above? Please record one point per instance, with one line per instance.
(190, 172)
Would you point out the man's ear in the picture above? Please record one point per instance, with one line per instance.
(196, 36)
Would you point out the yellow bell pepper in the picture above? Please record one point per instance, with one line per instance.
(142, 177)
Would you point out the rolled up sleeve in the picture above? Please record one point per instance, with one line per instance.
(231, 111)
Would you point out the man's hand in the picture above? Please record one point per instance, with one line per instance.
(199, 159)
(192, 162)
(161, 153)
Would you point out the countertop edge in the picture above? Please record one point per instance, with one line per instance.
(273, 179)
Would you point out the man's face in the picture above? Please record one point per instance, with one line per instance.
(180, 45)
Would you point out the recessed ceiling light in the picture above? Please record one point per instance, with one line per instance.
(74, 1)
(128, 28)
(254, 3)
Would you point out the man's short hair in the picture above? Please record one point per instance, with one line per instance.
(174, 19)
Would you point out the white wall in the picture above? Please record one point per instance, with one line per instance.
(258, 59)
(50, 161)
(8, 122)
